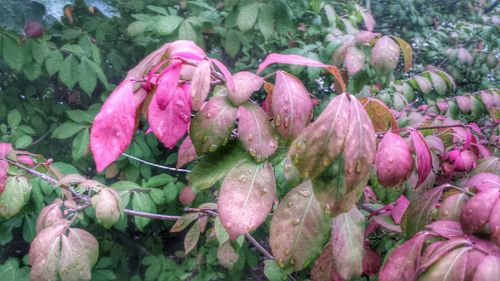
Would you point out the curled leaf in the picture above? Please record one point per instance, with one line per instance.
(186, 153)
(15, 195)
(476, 212)
(200, 84)
(424, 158)
(291, 105)
(245, 83)
(380, 115)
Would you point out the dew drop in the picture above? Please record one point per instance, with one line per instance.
(205, 138)
(359, 167)
(296, 221)
(326, 162)
(304, 193)
(242, 178)
(277, 120)
(180, 103)
(252, 152)
(286, 109)
(265, 190)
(281, 263)
(212, 147)
(228, 225)
(292, 260)
(287, 167)
(286, 124)
(290, 204)
(249, 171)
(250, 138)
(286, 252)
(208, 115)
(295, 159)
(273, 144)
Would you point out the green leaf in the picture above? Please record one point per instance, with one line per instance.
(80, 144)
(10, 271)
(266, 20)
(158, 196)
(299, 228)
(23, 142)
(160, 180)
(214, 166)
(273, 272)
(68, 74)
(232, 43)
(168, 24)
(29, 228)
(184, 221)
(247, 16)
(74, 49)
(80, 116)
(220, 232)
(170, 192)
(67, 130)
(15, 195)
(87, 78)
(32, 70)
(142, 202)
(98, 71)
(192, 237)
(39, 51)
(187, 32)
(12, 53)
(14, 118)
(53, 62)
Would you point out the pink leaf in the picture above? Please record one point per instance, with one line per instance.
(399, 209)
(246, 197)
(186, 153)
(226, 73)
(446, 228)
(484, 181)
(371, 260)
(256, 132)
(385, 55)
(113, 127)
(186, 49)
(291, 105)
(354, 60)
(171, 123)
(5, 149)
(246, 83)
(147, 63)
(26, 160)
(403, 262)
(424, 159)
(167, 85)
(368, 21)
(4, 168)
(200, 85)
(488, 269)
(476, 212)
(366, 36)
(289, 59)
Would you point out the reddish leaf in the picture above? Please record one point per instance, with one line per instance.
(246, 197)
(255, 131)
(393, 161)
(484, 181)
(452, 206)
(446, 228)
(494, 223)
(476, 212)
(4, 168)
(348, 243)
(488, 269)
(245, 83)
(385, 55)
(291, 105)
(449, 267)
(354, 60)
(147, 63)
(229, 78)
(167, 85)
(5, 149)
(213, 124)
(435, 143)
(424, 158)
(192, 237)
(419, 213)
(371, 260)
(200, 84)
(464, 103)
(403, 262)
(386, 221)
(187, 195)
(185, 49)
(366, 36)
(289, 59)
(113, 127)
(368, 21)
(339, 83)
(186, 153)
(299, 228)
(324, 267)
(267, 103)
(407, 52)
(170, 123)
(399, 209)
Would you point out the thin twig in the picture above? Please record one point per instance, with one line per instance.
(258, 246)
(461, 189)
(151, 215)
(381, 134)
(156, 165)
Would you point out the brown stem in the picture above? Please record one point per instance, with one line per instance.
(381, 134)
(151, 215)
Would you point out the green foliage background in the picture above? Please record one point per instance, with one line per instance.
(52, 86)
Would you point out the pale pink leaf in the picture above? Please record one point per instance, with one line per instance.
(366, 36)
(246, 83)
(424, 158)
(291, 105)
(385, 55)
(289, 59)
(167, 85)
(171, 123)
(200, 85)
(476, 211)
(256, 132)
(484, 181)
(446, 228)
(4, 168)
(113, 127)
(488, 269)
(368, 21)
(145, 65)
(5, 148)
(399, 209)
(226, 73)
(354, 60)
(246, 197)
(186, 153)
